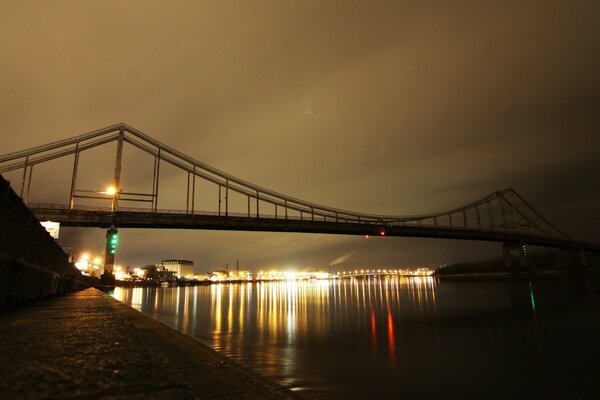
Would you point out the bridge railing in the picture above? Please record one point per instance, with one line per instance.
(502, 212)
(383, 224)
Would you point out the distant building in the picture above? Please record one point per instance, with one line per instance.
(181, 268)
(158, 273)
(219, 275)
(239, 275)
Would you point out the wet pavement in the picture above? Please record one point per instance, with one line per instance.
(89, 345)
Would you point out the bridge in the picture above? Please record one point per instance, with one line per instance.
(502, 216)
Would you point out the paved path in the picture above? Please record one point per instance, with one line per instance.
(89, 345)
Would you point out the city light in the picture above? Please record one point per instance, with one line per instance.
(143, 274)
(275, 275)
(81, 264)
(417, 272)
(122, 274)
(89, 265)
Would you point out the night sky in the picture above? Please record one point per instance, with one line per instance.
(377, 107)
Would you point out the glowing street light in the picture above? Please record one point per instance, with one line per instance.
(111, 191)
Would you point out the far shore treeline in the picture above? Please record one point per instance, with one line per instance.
(539, 260)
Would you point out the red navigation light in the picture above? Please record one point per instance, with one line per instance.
(382, 232)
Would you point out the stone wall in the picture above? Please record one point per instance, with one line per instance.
(32, 264)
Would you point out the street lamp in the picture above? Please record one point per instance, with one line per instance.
(111, 191)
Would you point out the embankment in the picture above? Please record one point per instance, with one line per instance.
(32, 264)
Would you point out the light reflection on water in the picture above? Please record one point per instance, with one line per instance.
(366, 338)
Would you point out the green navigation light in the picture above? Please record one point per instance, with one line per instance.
(113, 239)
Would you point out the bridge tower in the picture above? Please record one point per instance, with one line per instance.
(521, 252)
(112, 239)
(502, 216)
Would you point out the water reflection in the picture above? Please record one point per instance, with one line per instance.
(271, 325)
(365, 338)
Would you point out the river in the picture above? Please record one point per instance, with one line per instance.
(403, 338)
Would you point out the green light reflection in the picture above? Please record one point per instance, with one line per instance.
(532, 298)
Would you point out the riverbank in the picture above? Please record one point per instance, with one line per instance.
(87, 344)
(497, 276)
(518, 275)
(32, 264)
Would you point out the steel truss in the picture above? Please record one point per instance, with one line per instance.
(501, 214)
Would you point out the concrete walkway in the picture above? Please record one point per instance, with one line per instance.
(89, 345)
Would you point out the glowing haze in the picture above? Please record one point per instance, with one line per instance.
(379, 107)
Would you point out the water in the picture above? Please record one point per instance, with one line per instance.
(398, 337)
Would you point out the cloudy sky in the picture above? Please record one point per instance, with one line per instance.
(379, 107)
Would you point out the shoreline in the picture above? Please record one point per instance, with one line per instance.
(88, 344)
(188, 355)
(128, 284)
(518, 275)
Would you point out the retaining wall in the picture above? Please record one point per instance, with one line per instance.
(32, 264)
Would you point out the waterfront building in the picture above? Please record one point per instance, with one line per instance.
(239, 275)
(219, 275)
(201, 277)
(182, 268)
(158, 273)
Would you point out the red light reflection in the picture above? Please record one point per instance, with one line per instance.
(373, 329)
(391, 337)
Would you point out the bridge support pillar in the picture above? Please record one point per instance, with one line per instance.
(108, 277)
(512, 265)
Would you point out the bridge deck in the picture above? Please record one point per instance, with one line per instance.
(181, 220)
(501, 216)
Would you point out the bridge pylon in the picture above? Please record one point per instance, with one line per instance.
(522, 263)
(108, 276)
(502, 216)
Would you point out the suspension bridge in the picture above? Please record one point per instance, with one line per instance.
(502, 216)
